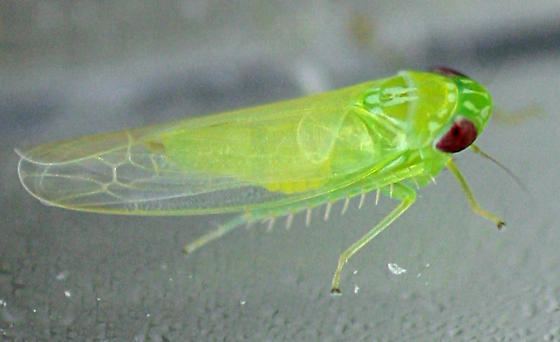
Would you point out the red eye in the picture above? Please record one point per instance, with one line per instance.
(445, 71)
(460, 136)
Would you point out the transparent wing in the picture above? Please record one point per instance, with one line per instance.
(228, 162)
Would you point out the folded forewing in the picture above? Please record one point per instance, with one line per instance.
(230, 162)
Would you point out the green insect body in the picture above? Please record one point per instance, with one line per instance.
(391, 135)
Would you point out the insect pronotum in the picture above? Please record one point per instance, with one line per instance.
(392, 135)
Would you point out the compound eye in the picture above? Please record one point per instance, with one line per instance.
(446, 71)
(460, 136)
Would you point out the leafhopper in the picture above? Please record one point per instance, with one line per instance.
(392, 135)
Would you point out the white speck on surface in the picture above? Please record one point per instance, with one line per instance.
(62, 275)
(67, 293)
(355, 272)
(243, 302)
(395, 269)
(3, 302)
(356, 289)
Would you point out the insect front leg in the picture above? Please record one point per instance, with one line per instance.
(400, 191)
(470, 196)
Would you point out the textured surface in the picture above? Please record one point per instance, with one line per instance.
(73, 276)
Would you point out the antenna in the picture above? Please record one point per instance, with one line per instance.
(483, 154)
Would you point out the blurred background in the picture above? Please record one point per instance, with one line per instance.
(70, 68)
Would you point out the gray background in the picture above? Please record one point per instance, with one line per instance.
(70, 68)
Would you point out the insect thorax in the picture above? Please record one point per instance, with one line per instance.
(411, 108)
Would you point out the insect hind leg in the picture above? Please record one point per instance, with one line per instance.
(288, 209)
(223, 229)
(216, 234)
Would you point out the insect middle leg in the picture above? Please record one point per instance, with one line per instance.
(470, 196)
(407, 196)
